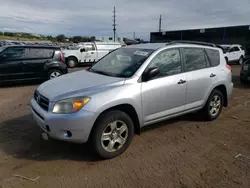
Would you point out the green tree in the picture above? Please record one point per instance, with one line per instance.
(77, 39)
(60, 38)
(8, 34)
(1, 33)
(50, 38)
(86, 39)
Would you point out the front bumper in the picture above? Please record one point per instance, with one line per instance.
(57, 126)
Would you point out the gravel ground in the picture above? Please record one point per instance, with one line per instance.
(184, 152)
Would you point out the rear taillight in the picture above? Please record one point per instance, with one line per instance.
(62, 57)
(229, 67)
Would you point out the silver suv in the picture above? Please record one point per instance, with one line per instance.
(130, 88)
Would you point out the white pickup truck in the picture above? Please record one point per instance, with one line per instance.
(88, 52)
(234, 53)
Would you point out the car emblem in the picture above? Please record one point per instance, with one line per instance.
(38, 99)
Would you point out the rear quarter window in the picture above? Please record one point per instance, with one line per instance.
(214, 57)
(195, 59)
(38, 53)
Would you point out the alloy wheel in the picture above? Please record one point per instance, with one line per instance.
(55, 74)
(215, 105)
(114, 136)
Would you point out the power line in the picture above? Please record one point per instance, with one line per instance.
(114, 23)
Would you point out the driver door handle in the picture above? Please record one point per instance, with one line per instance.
(182, 81)
(92, 52)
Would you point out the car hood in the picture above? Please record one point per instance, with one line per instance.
(76, 84)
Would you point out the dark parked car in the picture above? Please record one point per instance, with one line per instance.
(245, 72)
(21, 62)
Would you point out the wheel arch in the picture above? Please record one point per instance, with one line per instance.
(72, 56)
(222, 88)
(126, 108)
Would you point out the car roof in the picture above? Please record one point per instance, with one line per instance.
(155, 46)
(32, 46)
(150, 46)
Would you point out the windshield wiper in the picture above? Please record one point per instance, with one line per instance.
(102, 72)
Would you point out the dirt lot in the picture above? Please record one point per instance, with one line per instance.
(183, 152)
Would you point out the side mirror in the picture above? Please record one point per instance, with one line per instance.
(82, 50)
(151, 73)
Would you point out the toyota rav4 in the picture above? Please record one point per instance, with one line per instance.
(129, 88)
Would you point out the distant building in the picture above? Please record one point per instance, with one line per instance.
(219, 35)
(110, 39)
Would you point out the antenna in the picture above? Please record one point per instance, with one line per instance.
(114, 23)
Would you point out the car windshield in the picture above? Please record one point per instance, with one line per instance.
(123, 62)
(2, 48)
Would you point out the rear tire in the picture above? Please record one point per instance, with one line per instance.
(112, 134)
(214, 105)
(71, 62)
(54, 74)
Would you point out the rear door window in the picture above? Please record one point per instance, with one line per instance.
(195, 59)
(38, 53)
(13, 53)
(214, 57)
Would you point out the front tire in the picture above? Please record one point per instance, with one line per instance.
(214, 105)
(112, 134)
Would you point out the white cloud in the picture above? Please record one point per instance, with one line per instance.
(78, 17)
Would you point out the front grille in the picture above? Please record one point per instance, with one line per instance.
(42, 101)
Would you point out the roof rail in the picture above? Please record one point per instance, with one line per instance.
(191, 42)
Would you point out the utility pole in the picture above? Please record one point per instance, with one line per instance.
(160, 24)
(114, 23)
(134, 35)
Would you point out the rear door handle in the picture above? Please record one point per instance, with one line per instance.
(182, 81)
(212, 75)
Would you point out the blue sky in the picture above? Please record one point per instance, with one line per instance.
(94, 18)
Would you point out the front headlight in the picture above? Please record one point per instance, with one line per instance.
(245, 67)
(70, 105)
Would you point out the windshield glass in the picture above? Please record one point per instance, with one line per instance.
(123, 62)
(2, 48)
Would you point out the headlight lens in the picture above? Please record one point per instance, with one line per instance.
(70, 105)
(245, 67)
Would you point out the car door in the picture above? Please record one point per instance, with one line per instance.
(82, 54)
(91, 54)
(165, 94)
(35, 60)
(201, 76)
(11, 64)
